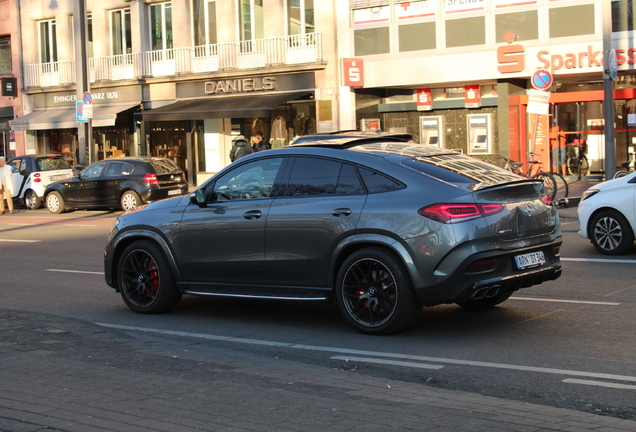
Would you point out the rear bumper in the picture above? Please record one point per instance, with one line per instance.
(471, 283)
(156, 193)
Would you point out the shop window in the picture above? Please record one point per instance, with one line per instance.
(6, 67)
(415, 37)
(572, 21)
(623, 18)
(204, 23)
(121, 35)
(300, 17)
(371, 41)
(525, 25)
(48, 41)
(161, 26)
(465, 32)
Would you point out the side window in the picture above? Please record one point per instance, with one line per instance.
(93, 171)
(313, 176)
(17, 165)
(349, 182)
(116, 169)
(376, 182)
(248, 181)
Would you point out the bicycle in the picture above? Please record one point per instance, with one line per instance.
(554, 183)
(627, 170)
(577, 162)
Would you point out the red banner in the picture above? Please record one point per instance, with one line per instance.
(353, 72)
(472, 97)
(424, 99)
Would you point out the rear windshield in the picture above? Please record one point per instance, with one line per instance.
(462, 169)
(164, 166)
(52, 163)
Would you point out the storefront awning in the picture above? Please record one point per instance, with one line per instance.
(41, 119)
(227, 107)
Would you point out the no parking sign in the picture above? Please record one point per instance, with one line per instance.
(541, 80)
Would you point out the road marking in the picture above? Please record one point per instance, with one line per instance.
(19, 241)
(565, 301)
(389, 362)
(375, 353)
(74, 271)
(600, 384)
(540, 316)
(79, 225)
(600, 260)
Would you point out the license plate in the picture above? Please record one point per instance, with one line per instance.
(532, 259)
(174, 192)
(60, 177)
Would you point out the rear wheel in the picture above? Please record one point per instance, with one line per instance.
(611, 234)
(375, 293)
(549, 183)
(55, 202)
(129, 200)
(562, 189)
(575, 169)
(146, 282)
(31, 200)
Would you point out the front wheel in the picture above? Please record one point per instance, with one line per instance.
(611, 234)
(375, 294)
(55, 202)
(32, 201)
(145, 278)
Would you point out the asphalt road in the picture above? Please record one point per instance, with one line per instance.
(567, 343)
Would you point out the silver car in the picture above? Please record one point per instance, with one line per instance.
(381, 228)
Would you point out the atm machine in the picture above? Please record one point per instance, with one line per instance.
(432, 130)
(479, 134)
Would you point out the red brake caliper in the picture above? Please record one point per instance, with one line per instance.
(155, 279)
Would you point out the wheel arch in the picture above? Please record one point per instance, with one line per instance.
(588, 228)
(128, 237)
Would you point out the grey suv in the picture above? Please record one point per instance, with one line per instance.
(381, 228)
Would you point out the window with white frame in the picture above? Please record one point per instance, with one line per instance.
(47, 41)
(204, 22)
(300, 17)
(120, 32)
(251, 20)
(161, 26)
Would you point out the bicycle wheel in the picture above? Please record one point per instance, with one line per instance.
(549, 183)
(585, 166)
(562, 189)
(620, 174)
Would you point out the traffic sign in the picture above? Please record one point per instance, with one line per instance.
(541, 80)
(538, 102)
(83, 112)
(613, 64)
(87, 98)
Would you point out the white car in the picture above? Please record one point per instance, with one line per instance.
(607, 215)
(33, 173)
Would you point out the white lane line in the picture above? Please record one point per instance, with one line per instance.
(376, 353)
(389, 362)
(600, 260)
(19, 241)
(79, 225)
(600, 384)
(74, 271)
(540, 316)
(565, 301)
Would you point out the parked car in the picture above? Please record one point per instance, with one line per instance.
(33, 173)
(607, 215)
(124, 183)
(380, 228)
(348, 135)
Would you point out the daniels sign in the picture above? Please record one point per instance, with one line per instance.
(241, 85)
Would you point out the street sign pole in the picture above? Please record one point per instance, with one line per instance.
(538, 103)
(608, 93)
(84, 129)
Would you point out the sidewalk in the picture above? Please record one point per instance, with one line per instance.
(59, 374)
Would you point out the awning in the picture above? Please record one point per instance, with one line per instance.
(42, 119)
(227, 107)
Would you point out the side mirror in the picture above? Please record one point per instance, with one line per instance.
(78, 176)
(198, 197)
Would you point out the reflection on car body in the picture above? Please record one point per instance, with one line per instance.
(380, 227)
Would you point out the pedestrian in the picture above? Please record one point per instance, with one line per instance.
(240, 148)
(6, 185)
(259, 142)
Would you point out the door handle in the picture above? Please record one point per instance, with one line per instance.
(253, 214)
(341, 212)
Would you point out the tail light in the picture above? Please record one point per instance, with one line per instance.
(546, 200)
(151, 179)
(183, 177)
(36, 178)
(453, 213)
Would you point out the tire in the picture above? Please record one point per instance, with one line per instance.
(55, 202)
(610, 233)
(549, 183)
(375, 294)
(573, 166)
(562, 188)
(620, 174)
(145, 279)
(32, 201)
(486, 303)
(129, 200)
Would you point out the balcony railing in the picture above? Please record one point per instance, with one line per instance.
(244, 55)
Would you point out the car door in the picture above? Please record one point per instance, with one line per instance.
(321, 205)
(224, 241)
(87, 191)
(114, 174)
(19, 172)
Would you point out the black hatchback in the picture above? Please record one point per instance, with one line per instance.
(124, 183)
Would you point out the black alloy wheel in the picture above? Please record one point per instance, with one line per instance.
(611, 233)
(145, 279)
(375, 293)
